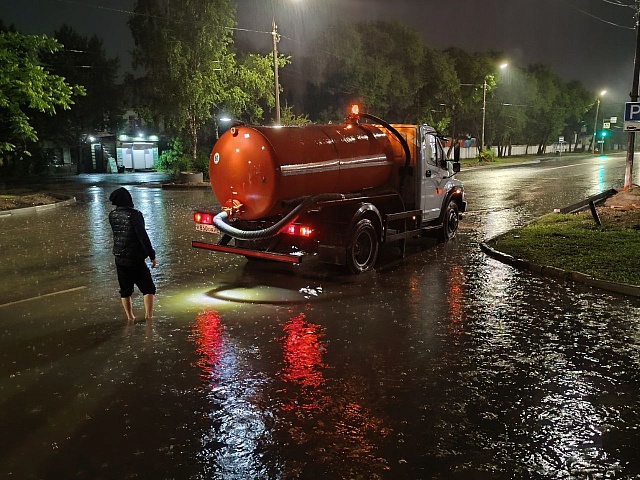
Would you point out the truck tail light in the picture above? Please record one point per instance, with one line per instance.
(299, 230)
(203, 218)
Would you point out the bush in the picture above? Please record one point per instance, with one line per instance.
(23, 164)
(486, 155)
(201, 164)
(175, 160)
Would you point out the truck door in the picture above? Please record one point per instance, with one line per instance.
(432, 175)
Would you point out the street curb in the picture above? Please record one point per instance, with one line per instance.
(36, 208)
(560, 274)
(185, 186)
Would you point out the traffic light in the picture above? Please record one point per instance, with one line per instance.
(604, 133)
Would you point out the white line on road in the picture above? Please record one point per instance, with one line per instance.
(567, 166)
(42, 296)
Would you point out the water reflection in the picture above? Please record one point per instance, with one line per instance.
(255, 411)
(331, 429)
(455, 282)
(98, 229)
(302, 352)
(207, 334)
(235, 425)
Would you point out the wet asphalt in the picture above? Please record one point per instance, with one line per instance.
(444, 364)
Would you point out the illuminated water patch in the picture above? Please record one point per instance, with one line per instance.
(261, 294)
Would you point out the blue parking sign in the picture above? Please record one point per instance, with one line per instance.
(632, 111)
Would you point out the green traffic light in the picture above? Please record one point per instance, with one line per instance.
(603, 133)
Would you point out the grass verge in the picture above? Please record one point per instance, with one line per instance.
(573, 242)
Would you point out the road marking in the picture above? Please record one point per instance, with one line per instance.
(572, 165)
(42, 296)
(567, 166)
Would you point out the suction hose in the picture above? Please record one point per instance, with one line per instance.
(403, 143)
(220, 219)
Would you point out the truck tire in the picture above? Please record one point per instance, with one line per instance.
(362, 249)
(450, 222)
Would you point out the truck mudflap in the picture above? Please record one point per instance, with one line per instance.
(247, 252)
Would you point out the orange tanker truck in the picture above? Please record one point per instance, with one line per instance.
(336, 192)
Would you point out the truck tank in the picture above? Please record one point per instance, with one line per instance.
(260, 167)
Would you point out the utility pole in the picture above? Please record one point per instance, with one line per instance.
(595, 127)
(631, 142)
(484, 111)
(274, 33)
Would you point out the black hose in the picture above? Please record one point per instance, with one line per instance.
(403, 142)
(273, 230)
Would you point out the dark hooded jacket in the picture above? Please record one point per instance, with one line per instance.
(131, 243)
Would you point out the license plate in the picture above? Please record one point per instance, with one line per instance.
(207, 228)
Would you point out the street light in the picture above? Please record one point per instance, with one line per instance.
(595, 125)
(484, 104)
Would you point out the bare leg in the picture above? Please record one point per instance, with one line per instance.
(148, 305)
(128, 308)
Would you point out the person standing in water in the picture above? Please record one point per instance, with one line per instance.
(131, 247)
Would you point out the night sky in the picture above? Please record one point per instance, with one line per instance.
(588, 40)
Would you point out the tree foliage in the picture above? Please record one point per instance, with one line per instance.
(26, 86)
(84, 61)
(390, 70)
(185, 48)
(386, 67)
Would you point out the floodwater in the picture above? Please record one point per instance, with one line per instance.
(445, 364)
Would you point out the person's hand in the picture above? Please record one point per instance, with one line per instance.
(153, 263)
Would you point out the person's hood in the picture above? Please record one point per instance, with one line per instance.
(121, 198)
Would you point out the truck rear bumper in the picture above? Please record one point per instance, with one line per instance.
(278, 257)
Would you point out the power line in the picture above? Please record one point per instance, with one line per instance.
(600, 19)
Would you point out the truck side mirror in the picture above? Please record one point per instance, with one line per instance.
(456, 158)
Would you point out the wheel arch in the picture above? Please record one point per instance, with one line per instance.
(370, 212)
(454, 194)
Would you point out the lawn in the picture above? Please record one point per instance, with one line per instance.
(574, 242)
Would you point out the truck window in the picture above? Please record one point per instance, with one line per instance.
(433, 150)
(437, 157)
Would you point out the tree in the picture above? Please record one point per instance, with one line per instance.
(439, 95)
(26, 86)
(578, 99)
(383, 69)
(556, 103)
(185, 47)
(84, 61)
(507, 104)
(472, 70)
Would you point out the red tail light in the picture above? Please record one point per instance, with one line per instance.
(299, 230)
(204, 218)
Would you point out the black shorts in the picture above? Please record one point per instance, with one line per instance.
(137, 274)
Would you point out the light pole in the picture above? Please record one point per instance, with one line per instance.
(484, 104)
(595, 125)
(276, 39)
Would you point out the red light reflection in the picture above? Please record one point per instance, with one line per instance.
(302, 352)
(454, 297)
(208, 339)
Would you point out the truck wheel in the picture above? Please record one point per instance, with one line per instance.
(362, 250)
(451, 221)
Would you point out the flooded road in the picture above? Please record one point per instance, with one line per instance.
(446, 364)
